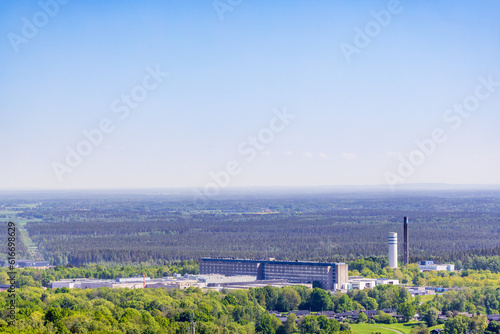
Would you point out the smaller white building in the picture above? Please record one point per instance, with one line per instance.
(63, 284)
(431, 266)
(137, 279)
(363, 283)
(360, 283)
(68, 283)
(387, 281)
(419, 291)
(96, 284)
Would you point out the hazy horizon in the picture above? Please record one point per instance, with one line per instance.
(332, 188)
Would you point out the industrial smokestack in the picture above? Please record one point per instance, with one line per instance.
(393, 250)
(406, 244)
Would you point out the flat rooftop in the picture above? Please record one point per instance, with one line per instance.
(295, 263)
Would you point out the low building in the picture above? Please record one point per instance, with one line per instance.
(363, 283)
(387, 281)
(96, 284)
(62, 284)
(136, 279)
(493, 317)
(436, 289)
(87, 283)
(68, 283)
(437, 331)
(360, 282)
(420, 291)
(221, 279)
(139, 282)
(184, 284)
(4, 287)
(301, 313)
(254, 284)
(431, 266)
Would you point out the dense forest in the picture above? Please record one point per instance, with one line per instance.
(160, 228)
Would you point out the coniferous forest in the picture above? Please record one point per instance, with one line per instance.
(98, 227)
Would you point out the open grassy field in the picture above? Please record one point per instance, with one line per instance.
(369, 328)
(424, 299)
(434, 327)
(404, 328)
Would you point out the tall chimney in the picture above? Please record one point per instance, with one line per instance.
(406, 243)
(393, 249)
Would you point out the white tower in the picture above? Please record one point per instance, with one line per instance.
(393, 250)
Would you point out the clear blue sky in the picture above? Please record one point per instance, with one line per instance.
(352, 119)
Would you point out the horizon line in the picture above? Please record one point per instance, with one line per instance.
(429, 186)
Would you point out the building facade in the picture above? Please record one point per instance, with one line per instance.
(229, 267)
(431, 266)
(360, 283)
(329, 276)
